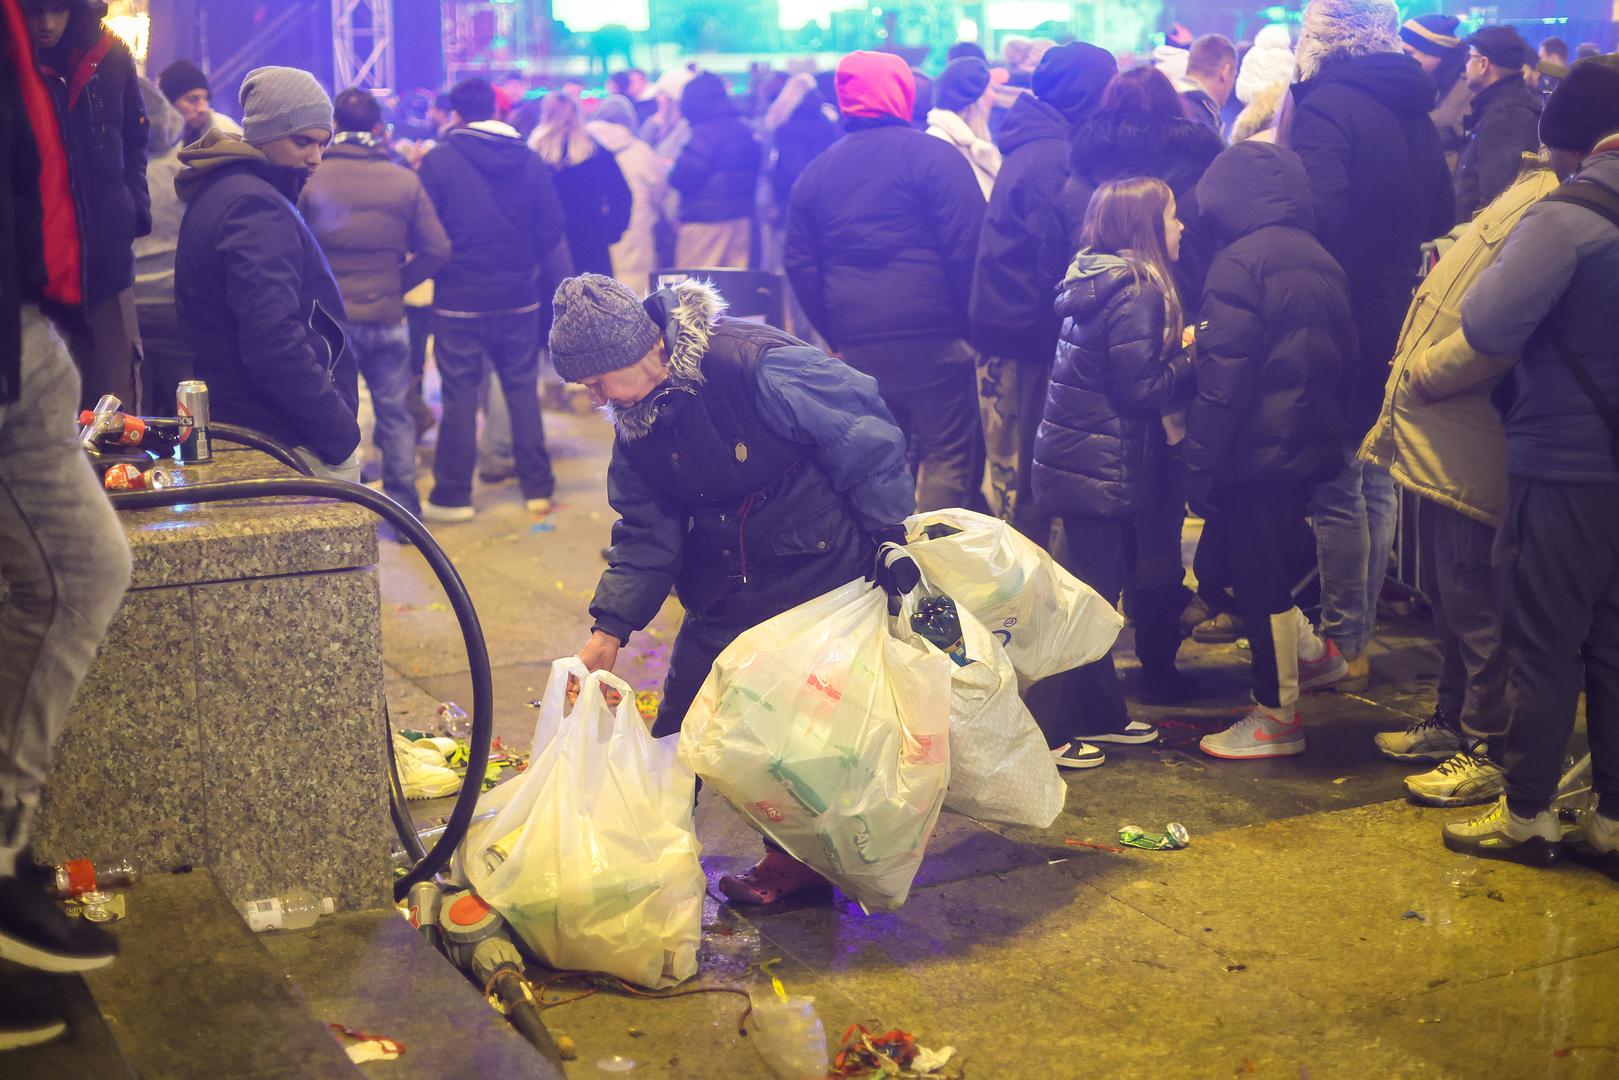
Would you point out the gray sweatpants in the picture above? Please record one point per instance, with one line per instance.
(65, 565)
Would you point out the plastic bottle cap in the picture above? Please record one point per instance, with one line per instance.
(327, 905)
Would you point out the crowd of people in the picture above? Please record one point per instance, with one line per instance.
(1275, 282)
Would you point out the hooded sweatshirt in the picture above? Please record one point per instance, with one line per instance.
(498, 203)
(258, 303)
(1380, 187)
(1274, 336)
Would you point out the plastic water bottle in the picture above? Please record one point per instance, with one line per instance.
(297, 909)
(789, 1036)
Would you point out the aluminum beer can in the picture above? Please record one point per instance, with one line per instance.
(133, 478)
(191, 399)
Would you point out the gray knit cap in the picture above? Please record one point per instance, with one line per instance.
(282, 101)
(599, 326)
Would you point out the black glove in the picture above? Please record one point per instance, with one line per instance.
(893, 571)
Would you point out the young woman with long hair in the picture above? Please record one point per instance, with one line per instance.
(596, 201)
(1121, 368)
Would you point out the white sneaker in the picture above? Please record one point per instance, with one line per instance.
(1134, 733)
(538, 506)
(1462, 780)
(1498, 833)
(1078, 755)
(1257, 735)
(447, 515)
(422, 771)
(1596, 841)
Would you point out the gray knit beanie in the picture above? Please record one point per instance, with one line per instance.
(281, 101)
(599, 326)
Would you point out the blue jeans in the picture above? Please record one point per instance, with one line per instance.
(65, 565)
(510, 344)
(1353, 514)
(382, 351)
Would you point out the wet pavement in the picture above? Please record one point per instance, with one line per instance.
(1315, 927)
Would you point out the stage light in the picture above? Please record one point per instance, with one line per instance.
(1026, 14)
(584, 16)
(128, 20)
(797, 14)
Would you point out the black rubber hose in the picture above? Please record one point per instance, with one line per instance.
(455, 591)
(258, 440)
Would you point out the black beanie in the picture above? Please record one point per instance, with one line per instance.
(961, 83)
(1500, 45)
(1585, 106)
(180, 78)
(1070, 78)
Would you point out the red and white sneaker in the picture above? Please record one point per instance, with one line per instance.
(1330, 670)
(1257, 735)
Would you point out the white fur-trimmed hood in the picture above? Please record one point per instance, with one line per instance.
(1339, 29)
(690, 310)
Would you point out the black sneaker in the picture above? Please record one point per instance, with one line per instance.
(1077, 755)
(26, 1019)
(37, 933)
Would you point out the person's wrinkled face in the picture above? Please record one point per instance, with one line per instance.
(300, 150)
(628, 385)
(1427, 61)
(193, 107)
(47, 21)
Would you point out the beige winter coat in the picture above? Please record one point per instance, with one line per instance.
(635, 255)
(1439, 434)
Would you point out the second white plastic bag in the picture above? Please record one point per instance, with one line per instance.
(1047, 620)
(1000, 767)
(828, 727)
(592, 857)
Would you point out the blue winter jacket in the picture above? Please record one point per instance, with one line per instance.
(1559, 268)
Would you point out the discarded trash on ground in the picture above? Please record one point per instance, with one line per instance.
(615, 1063)
(566, 1050)
(97, 906)
(1417, 915)
(894, 1053)
(362, 1046)
(1071, 842)
(1173, 838)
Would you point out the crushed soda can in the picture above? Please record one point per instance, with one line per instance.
(1173, 838)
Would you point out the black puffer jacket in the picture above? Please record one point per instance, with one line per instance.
(1503, 123)
(881, 232)
(717, 171)
(1011, 311)
(1274, 338)
(1381, 188)
(1113, 146)
(1114, 378)
(92, 77)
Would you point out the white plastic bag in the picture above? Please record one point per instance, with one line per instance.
(1000, 767)
(1046, 619)
(828, 727)
(592, 860)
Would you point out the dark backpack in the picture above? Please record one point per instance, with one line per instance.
(1599, 200)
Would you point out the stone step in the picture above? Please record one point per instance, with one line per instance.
(194, 994)
(369, 970)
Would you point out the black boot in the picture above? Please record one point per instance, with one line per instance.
(1158, 639)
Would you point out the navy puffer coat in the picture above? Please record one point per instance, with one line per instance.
(1114, 378)
(717, 172)
(1276, 340)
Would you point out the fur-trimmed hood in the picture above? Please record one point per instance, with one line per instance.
(1336, 30)
(687, 313)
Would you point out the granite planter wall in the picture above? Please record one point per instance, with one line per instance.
(234, 718)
